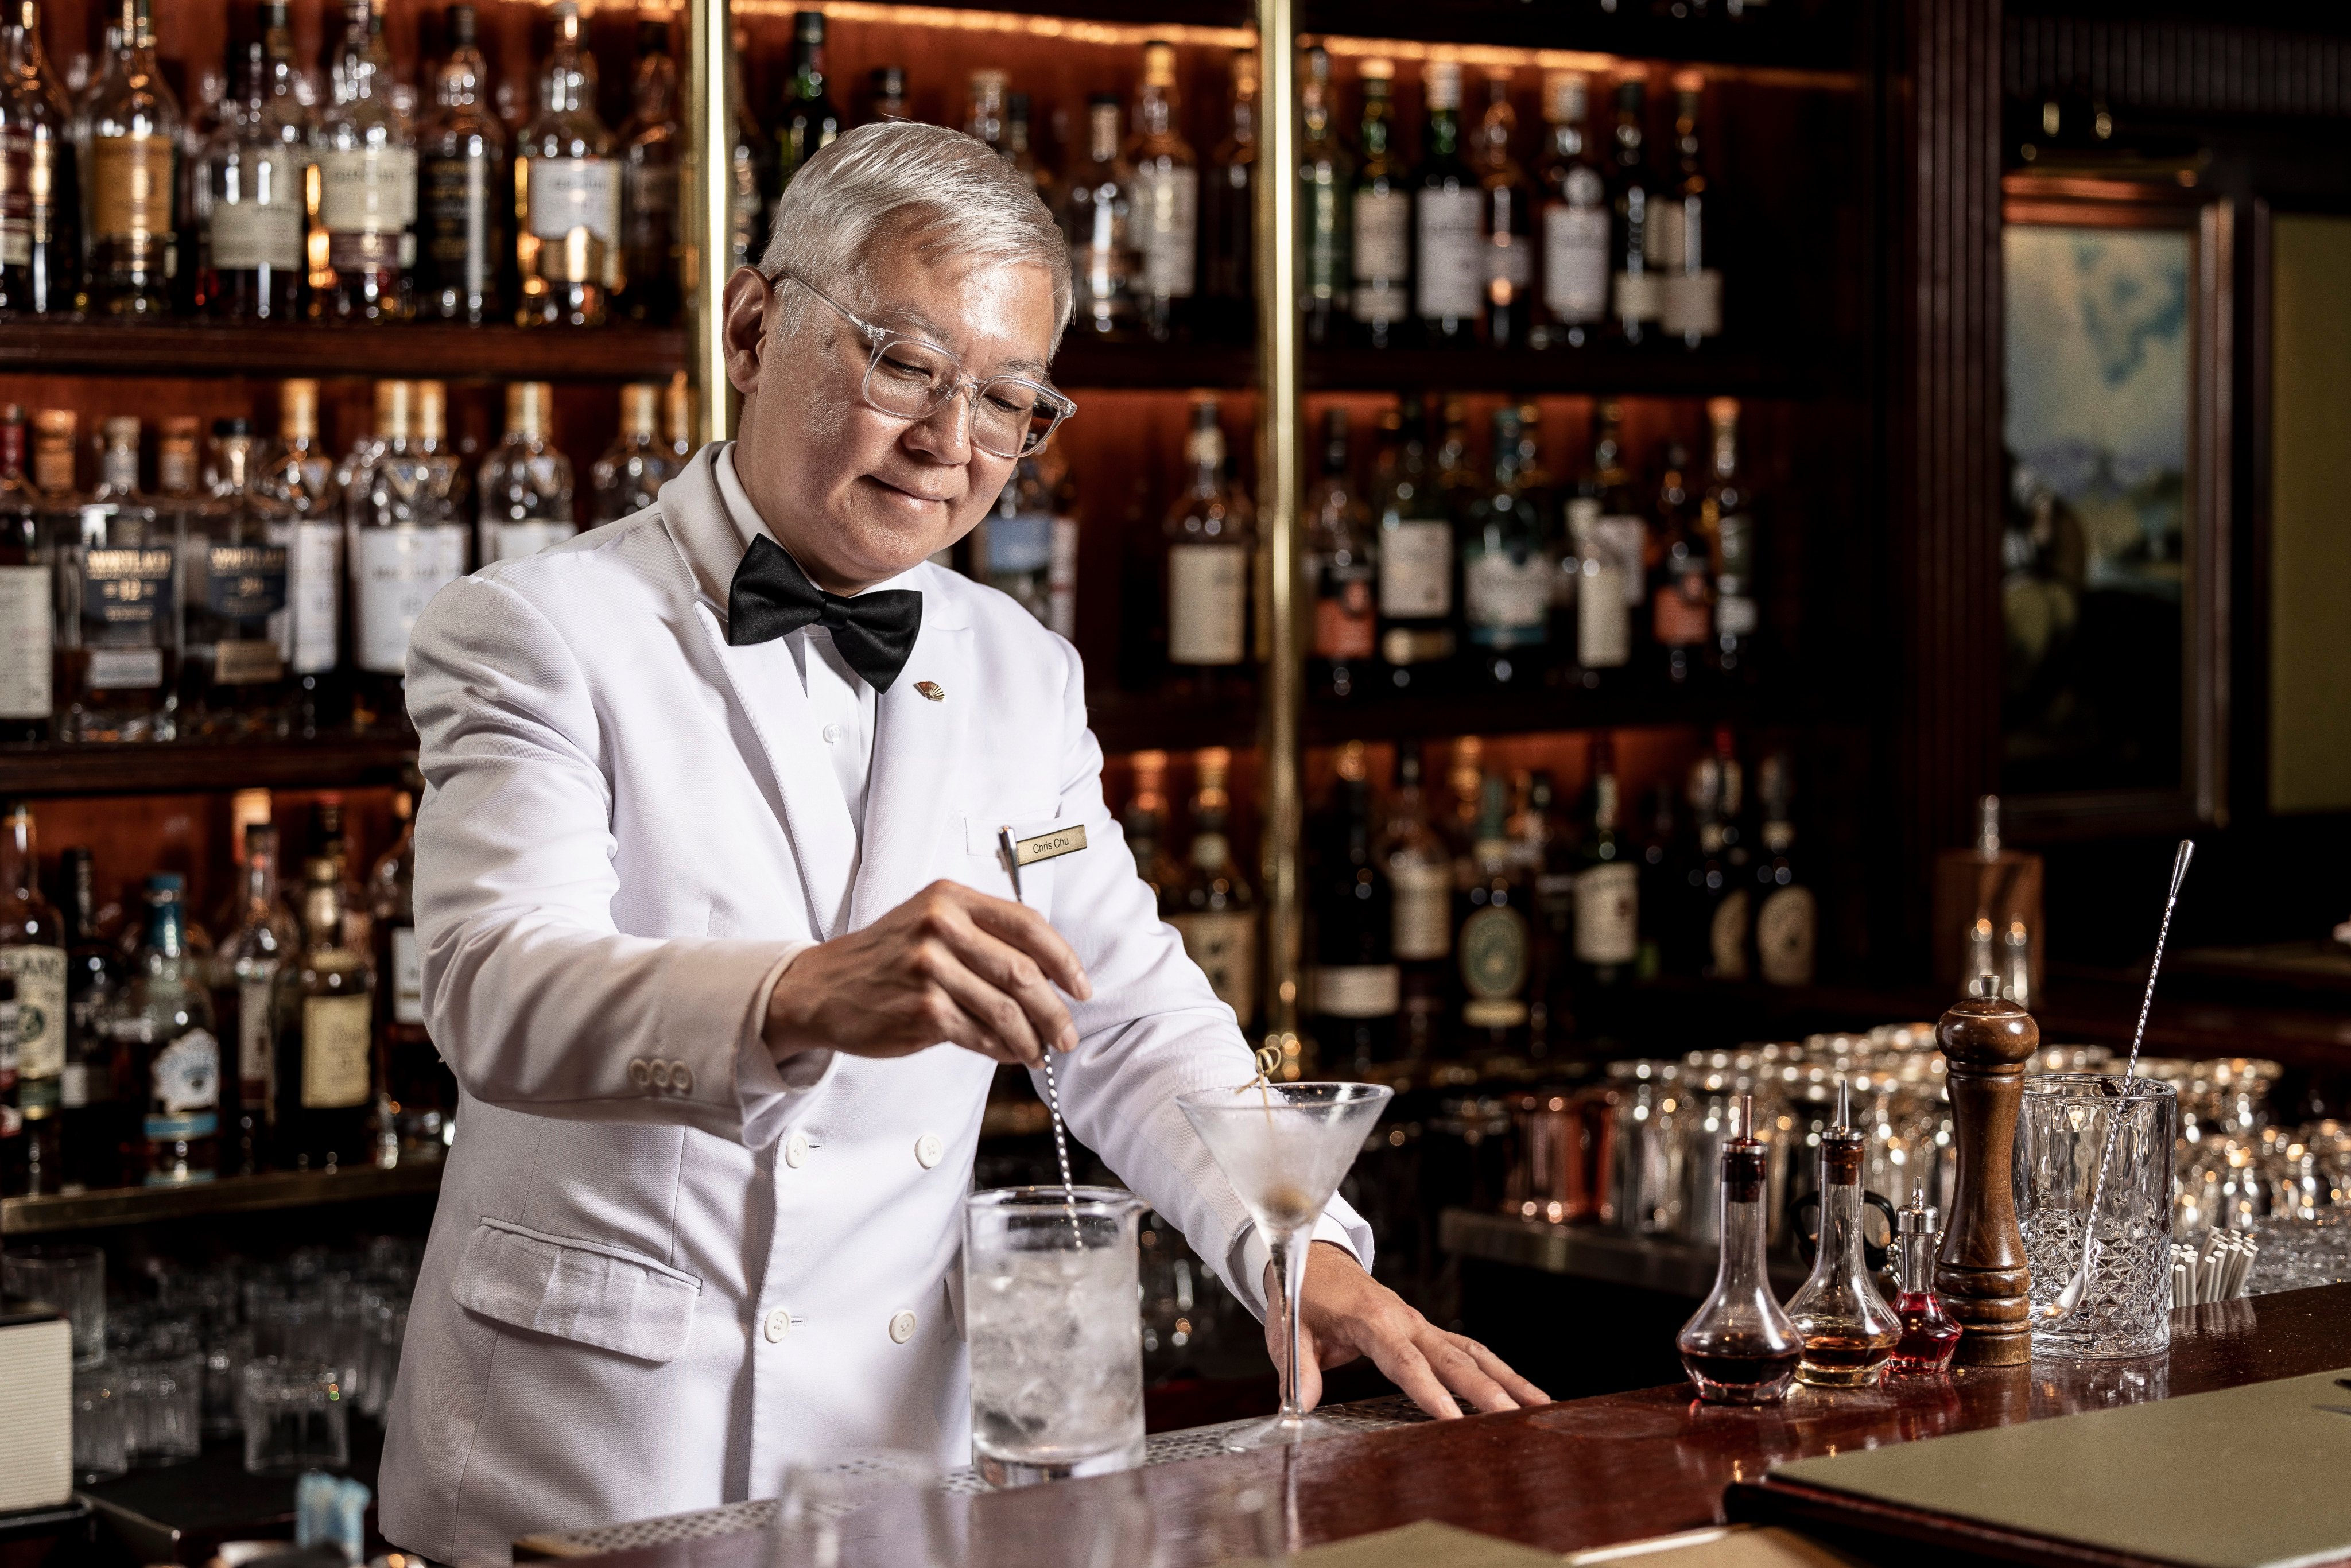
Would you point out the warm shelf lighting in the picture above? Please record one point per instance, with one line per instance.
(1121, 35)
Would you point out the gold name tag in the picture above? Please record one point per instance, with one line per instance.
(1045, 846)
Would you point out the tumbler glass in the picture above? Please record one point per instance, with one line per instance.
(70, 1279)
(101, 1437)
(163, 1400)
(2061, 1139)
(295, 1417)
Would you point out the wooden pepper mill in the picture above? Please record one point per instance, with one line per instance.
(1980, 1271)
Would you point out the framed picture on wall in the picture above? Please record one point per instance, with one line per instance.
(2113, 557)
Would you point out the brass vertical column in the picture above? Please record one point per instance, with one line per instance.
(1279, 412)
(709, 215)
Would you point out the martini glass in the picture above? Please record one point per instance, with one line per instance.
(1284, 1147)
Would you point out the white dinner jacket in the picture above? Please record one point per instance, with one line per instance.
(659, 1269)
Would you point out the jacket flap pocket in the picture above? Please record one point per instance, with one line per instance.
(587, 1291)
(979, 831)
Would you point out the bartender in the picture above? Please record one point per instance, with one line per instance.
(717, 937)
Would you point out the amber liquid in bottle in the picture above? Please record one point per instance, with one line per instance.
(1847, 1329)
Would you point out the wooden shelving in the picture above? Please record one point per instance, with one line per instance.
(1134, 721)
(615, 354)
(1141, 365)
(1806, 35)
(1539, 709)
(1662, 371)
(324, 762)
(231, 1194)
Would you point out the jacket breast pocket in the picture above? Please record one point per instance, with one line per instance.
(586, 1292)
(986, 851)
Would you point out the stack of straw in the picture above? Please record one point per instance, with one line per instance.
(2215, 1271)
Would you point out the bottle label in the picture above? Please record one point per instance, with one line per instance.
(1018, 545)
(1061, 579)
(1604, 626)
(407, 977)
(27, 194)
(1416, 570)
(399, 570)
(335, 1052)
(245, 583)
(1683, 617)
(1607, 913)
(314, 598)
(568, 194)
(461, 232)
(40, 977)
(73, 1086)
(130, 189)
(1358, 991)
(371, 193)
(1166, 220)
(1575, 257)
(127, 585)
(1342, 609)
(1727, 938)
(1207, 603)
(652, 191)
(1692, 304)
(1623, 538)
(1786, 933)
(264, 228)
(26, 642)
(184, 1078)
(1452, 281)
(1735, 615)
(1424, 910)
(1510, 265)
(1223, 942)
(125, 669)
(1508, 597)
(256, 1039)
(515, 540)
(1637, 296)
(1494, 956)
(246, 662)
(1383, 258)
(1665, 242)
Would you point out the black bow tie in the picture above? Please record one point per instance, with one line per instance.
(772, 596)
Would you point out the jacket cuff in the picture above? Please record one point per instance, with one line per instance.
(772, 1093)
(1248, 1254)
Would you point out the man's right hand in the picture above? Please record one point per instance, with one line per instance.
(949, 964)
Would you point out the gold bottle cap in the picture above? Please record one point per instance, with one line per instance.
(526, 408)
(1377, 69)
(1245, 73)
(1442, 79)
(1159, 64)
(432, 410)
(640, 411)
(678, 411)
(395, 410)
(120, 431)
(1566, 95)
(297, 410)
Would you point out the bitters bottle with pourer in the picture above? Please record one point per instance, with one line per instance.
(1741, 1348)
(1930, 1336)
(1847, 1329)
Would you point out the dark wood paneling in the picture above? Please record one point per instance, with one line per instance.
(2217, 67)
(450, 353)
(1815, 34)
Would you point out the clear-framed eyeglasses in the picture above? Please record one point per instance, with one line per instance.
(910, 379)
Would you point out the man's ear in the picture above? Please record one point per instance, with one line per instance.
(745, 328)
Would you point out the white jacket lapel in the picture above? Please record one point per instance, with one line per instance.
(917, 748)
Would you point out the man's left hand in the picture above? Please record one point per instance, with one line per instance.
(1348, 1314)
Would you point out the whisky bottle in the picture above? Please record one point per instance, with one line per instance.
(1689, 304)
(886, 95)
(91, 1108)
(1545, 854)
(1381, 246)
(1097, 215)
(633, 470)
(1727, 517)
(1492, 938)
(1448, 207)
(749, 166)
(1020, 151)
(568, 193)
(1420, 879)
(33, 956)
(1714, 902)
(1014, 544)
(651, 164)
(27, 590)
(1342, 567)
(419, 1092)
(257, 171)
(1326, 182)
(299, 476)
(1506, 225)
(367, 174)
(1144, 822)
(1212, 904)
(1229, 208)
(448, 475)
(985, 120)
(1574, 220)
(130, 123)
(526, 484)
(1607, 885)
(166, 1052)
(1356, 990)
(239, 628)
(1787, 912)
(1632, 192)
(465, 192)
(1620, 529)
(40, 184)
(1506, 571)
(326, 1084)
(1165, 200)
(1416, 554)
(406, 545)
(809, 123)
(245, 966)
(1681, 586)
(117, 607)
(1211, 534)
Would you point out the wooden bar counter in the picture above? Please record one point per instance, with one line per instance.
(1592, 1473)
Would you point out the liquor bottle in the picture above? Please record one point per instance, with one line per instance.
(465, 192)
(1689, 304)
(633, 470)
(131, 141)
(1449, 260)
(1144, 822)
(1715, 903)
(677, 418)
(809, 123)
(117, 607)
(234, 678)
(40, 184)
(1607, 885)
(90, 1109)
(1681, 586)
(367, 172)
(1014, 546)
(1492, 938)
(1632, 192)
(1229, 202)
(28, 591)
(1506, 571)
(256, 166)
(325, 1087)
(1342, 564)
(1415, 556)
(1326, 179)
(1847, 1329)
(1356, 989)
(1211, 534)
(1739, 835)
(1381, 245)
(448, 472)
(1620, 529)
(526, 484)
(1545, 854)
(1061, 571)
(1740, 1348)
(167, 1056)
(886, 95)
(651, 165)
(329, 842)
(1096, 215)
(1164, 203)
(1420, 879)
(33, 958)
(568, 193)
(750, 166)
(405, 545)
(246, 967)
(299, 476)
(1458, 479)
(1727, 518)
(1574, 220)
(13, 1154)
(420, 1091)
(1506, 226)
(1020, 151)
(1787, 914)
(984, 119)
(1665, 852)
(1211, 903)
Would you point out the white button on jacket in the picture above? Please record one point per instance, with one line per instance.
(629, 831)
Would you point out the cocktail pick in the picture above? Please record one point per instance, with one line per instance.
(2070, 1299)
(1052, 1089)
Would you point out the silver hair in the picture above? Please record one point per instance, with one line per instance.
(948, 194)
